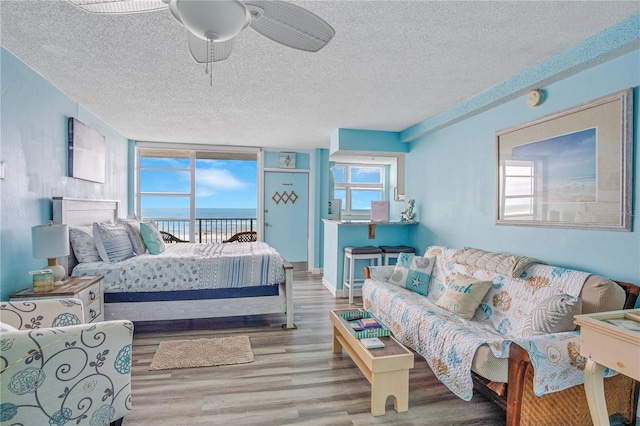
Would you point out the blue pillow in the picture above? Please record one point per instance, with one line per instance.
(413, 272)
(152, 237)
(112, 242)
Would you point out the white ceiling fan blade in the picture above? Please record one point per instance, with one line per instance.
(199, 49)
(290, 25)
(119, 6)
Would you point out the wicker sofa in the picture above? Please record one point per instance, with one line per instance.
(536, 379)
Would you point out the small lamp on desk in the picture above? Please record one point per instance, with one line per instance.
(50, 242)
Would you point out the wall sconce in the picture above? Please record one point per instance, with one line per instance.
(50, 242)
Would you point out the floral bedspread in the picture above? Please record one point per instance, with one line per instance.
(191, 267)
(448, 342)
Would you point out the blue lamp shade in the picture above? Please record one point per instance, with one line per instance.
(50, 241)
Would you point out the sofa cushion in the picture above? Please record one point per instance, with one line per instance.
(412, 272)
(553, 315)
(4, 327)
(492, 368)
(600, 295)
(463, 295)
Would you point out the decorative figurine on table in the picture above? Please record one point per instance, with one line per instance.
(408, 215)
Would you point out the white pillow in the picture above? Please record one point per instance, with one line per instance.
(4, 327)
(112, 242)
(133, 229)
(84, 248)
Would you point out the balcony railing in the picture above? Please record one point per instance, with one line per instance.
(207, 230)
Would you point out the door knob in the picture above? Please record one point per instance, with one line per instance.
(266, 224)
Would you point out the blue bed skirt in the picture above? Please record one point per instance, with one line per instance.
(166, 296)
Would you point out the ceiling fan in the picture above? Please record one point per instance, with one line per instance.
(213, 24)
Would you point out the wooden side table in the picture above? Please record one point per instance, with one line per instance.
(88, 289)
(387, 369)
(605, 344)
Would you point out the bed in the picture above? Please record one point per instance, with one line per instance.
(186, 281)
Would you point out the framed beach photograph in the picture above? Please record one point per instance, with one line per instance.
(571, 169)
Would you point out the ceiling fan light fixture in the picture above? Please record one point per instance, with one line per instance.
(225, 18)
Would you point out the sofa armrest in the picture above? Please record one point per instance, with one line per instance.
(42, 313)
(79, 374)
(380, 273)
(631, 291)
(519, 361)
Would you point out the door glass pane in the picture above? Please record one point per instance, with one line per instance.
(171, 214)
(167, 181)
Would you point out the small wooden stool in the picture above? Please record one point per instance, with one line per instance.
(392, 252)
(351, 254)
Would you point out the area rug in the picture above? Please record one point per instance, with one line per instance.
(174, 354)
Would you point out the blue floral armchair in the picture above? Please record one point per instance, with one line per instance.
(55, 370)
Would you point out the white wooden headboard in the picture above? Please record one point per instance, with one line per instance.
(82, 212)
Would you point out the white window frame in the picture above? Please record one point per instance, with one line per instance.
(348, 187)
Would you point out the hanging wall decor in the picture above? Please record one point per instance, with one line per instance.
(571, 169)
(285, 197)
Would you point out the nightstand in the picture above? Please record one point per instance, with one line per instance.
(88, 289)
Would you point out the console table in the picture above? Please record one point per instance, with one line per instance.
(605, 344)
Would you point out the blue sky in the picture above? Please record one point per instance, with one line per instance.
(219, 183)
(568, 156)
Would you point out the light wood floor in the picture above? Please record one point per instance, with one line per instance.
(295, 378)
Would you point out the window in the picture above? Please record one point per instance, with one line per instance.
(519, 189)
(357, 185)
(201, 196)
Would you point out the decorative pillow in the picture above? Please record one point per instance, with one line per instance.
(4, 327)
(553, 315)
(463, 295)
(112, 242)
(133, 229)
(84, 248)
(152, 237)
(413, 272)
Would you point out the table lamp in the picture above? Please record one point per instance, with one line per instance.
(50, 242)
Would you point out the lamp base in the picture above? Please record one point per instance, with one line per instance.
(59, 273)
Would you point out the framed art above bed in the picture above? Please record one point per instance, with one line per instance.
(184, 281)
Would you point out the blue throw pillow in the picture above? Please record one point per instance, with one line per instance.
(413, 272)
(112, 242)
(152, 237)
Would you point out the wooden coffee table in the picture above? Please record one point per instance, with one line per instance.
(387, 369)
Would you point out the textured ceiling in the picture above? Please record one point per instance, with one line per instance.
(390, 65)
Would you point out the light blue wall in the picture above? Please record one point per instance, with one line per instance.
(321, 185)
(451, 174)
(34, 149)
(356, 140)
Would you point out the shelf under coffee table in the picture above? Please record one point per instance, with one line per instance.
(387, 369)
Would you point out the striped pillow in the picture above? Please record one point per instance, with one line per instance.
(553, 315)
(112, 242)
(133, 229)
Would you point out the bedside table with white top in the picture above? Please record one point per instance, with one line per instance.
(88, 289)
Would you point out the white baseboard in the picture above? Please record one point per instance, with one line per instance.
(316, 271)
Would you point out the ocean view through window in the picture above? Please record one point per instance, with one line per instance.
(198, 196)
